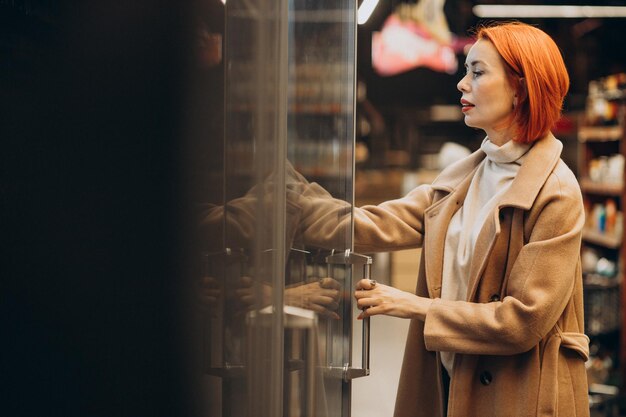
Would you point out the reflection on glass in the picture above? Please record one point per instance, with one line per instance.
(316, 295)
(277, 316)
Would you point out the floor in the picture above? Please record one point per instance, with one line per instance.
(374, 396)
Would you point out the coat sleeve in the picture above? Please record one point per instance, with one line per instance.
(539, 286)
(320, 220)
(392, 225)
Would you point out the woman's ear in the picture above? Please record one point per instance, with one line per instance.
(522, 90)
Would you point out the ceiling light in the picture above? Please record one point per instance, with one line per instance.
(536, 10)
(365, 10)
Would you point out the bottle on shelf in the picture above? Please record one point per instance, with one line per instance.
(602, 150)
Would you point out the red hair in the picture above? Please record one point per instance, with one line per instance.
(536, 70)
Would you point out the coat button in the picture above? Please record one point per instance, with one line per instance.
(485, 378)
(494, 297)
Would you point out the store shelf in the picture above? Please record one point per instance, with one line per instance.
(319, 108)
(302, 108)
(596, 281)
(320, 16)
(600, 133)
(615, 95)
(608, 241)
(599, 188)
(300, 16)
(602, 307)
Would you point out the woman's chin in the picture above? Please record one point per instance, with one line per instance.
(469, 123)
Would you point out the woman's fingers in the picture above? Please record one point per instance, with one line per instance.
(323, 311)
(322, 299)
(329, 283)
(368, 302)
(334, 294)
(368, 296)
(371, 311)
(366, 284)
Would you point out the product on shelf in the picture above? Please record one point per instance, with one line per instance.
(601, 172)
(603, 102)
(607, 169)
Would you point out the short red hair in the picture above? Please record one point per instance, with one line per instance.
(530, 54)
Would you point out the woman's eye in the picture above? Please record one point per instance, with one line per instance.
(475, 73)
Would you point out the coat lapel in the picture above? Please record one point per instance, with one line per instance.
(484, 245)
(451, 186)
(437, 219)
(532, 175)
(539, 163)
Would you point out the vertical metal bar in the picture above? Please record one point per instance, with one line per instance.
(279, 209)
(352, 47)
(271, 69)
(329, 328)
(365, 340)
(352, 13)
(311, 337)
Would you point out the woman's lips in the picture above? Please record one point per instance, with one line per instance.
(466, 105)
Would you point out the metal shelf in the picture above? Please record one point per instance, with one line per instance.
(602, 239)
(592, 187)
(600, 133)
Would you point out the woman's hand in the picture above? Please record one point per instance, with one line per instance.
(208, 292)
(320, 296)
(374, 299)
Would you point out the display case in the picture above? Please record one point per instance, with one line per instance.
(601, 175)
(282, 337)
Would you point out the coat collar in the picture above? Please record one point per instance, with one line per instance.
(540, 161)
(454, 182)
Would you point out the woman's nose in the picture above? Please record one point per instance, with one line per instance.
(462, 85)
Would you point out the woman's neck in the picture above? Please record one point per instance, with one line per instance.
(499, 137)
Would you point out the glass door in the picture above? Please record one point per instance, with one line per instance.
(278, 336)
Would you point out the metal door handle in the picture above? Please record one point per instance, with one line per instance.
(353, 259)
(218, 264)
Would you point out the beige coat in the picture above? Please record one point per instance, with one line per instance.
(519, 336)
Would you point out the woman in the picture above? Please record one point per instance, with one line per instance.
(498, 309)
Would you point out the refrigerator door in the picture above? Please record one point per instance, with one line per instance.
(278, 335)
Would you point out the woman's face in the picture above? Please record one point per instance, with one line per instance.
(487, 99)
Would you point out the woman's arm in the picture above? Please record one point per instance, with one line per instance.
(392, 225)
(539, 288)
(374, 299)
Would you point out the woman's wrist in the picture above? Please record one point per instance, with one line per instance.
(422, 306)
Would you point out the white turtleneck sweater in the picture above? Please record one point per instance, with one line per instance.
(493, 177)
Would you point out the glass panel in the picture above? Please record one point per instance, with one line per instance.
(255, 226)
(277, 333)
(320, 147)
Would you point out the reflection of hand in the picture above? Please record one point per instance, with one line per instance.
(321, 296)
(209, 293)
(249, 297)
(374, 298)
